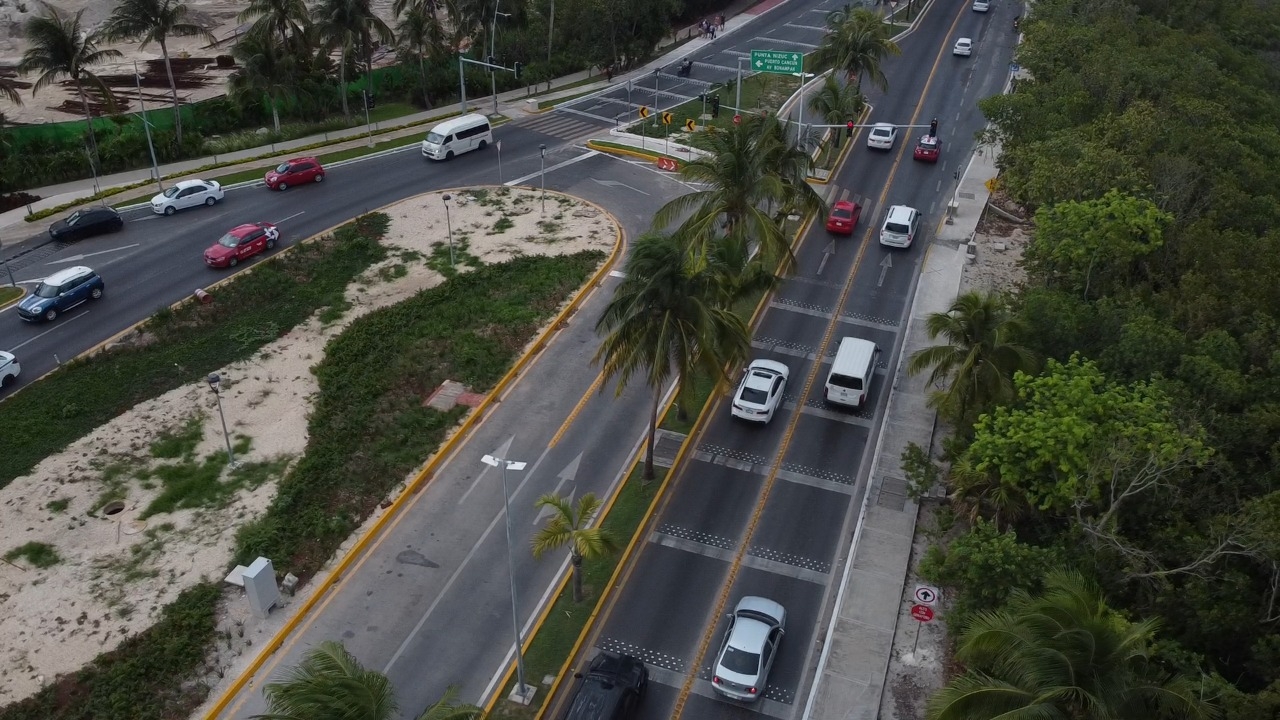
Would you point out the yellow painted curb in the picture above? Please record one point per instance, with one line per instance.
(336, 575)
(642, 154)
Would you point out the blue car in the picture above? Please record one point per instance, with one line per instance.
(60, 292)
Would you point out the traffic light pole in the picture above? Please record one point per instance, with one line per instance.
(517, 69)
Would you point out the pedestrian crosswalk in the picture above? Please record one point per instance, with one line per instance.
(562, 125)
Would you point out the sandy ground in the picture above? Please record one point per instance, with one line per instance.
(115, 573)
(219, 16)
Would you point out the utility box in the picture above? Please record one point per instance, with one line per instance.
(260, 587)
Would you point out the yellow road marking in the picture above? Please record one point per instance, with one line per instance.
(573, 414)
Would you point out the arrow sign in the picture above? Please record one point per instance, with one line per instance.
(884, 269)
(690, 125)
(666, 118)
(78, 258)
(781, 62)
(566, 475)
(644, 111)
(926, 594)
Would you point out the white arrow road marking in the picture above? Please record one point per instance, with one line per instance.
(884, 269)
(501, 451)
(615, 183)
(827, 252)
(78, 258)
(569, 472)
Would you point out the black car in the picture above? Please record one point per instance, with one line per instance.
(87, 223)
(611, 689)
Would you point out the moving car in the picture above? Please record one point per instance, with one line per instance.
(87, 223)
(611, 689)
(981, 5)
(882, 136)
(295, 172)
(241, 243)
(60, 292)
(964, 47)
(900, 226)
(9, 369)
(188, 193)
(928, 149)
(750, 645)
(760, 391)
(844, 217)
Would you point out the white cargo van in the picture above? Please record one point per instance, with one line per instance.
(852, 372)
(456, 136)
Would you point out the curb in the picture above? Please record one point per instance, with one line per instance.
(411, 489)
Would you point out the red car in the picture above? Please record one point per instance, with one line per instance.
(844, 217)
(928, 149)
(295, 172)
(241, 243)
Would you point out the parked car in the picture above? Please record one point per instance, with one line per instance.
(241, 243)
(87, 223)
(900, 226)
(9, 369)
(60, 292)
(760, 392)
(928, 149)
(750, 646)
(844, 217)
(295, 172)
(882, 136)
(611, 689)
(188, 193)
(964, 47)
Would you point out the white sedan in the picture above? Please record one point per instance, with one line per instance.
(188, 193)
(9, 369)
(882, 136)
(760, 392)
(964, 47)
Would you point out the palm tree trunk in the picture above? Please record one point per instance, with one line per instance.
(173, 90)
(93, 139)
(653, 431)
(576, 562)
(342, 81)
(275, 115)
(422, 66)
(551, 28)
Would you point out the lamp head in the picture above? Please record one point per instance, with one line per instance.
(214, 380)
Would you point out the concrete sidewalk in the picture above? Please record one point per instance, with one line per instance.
(872, 604)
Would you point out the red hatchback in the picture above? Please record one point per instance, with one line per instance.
(844, 217)
(241, 243)
(928, 149)
(295, 172)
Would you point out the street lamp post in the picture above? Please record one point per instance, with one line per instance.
(449, 224)
(146, 125)
(493, 53)
(523, 690)
(804, 77)
(543, 150)
(215, 382)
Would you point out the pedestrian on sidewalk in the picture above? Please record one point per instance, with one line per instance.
(713, 31)
(720, 22)
(608, 73)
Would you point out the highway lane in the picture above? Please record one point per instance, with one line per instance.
(812, 456)
(157, 261)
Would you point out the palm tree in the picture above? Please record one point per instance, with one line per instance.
(836, 103)
(753, 177)
(856, 43)
(668, 316)
(420, 34)
(330, 684)
(979, 357)
(285, 18)
(155, 21)
(346, 25)
(9, 91)
(265, 69)
(446, 708)
(1063, 655)
(571, 525)
(59, 47)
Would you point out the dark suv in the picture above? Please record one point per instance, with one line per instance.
(60, 292)
(611, 689)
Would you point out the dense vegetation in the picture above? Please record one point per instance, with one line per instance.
(1146, 450)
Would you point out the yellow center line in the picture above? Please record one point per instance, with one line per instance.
(573, 414)
(723, 599)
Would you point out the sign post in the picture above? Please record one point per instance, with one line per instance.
(923, 614)
(666, 130)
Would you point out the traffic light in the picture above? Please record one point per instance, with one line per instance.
(491, 62)
(369, 99)
(519, 70)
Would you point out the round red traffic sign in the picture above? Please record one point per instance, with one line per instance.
(923, 613)
(737, 119)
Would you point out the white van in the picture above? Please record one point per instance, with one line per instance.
(851, 372)
(456, 136)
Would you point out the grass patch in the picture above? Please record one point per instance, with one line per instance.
(186, 344)
(38, 554)
(59, 505)
(566, 619)
(143, 678)
(370, 429)
(9, 295)
(180, 442)
(503, 224)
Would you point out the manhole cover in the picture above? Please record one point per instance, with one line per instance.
(113, 508)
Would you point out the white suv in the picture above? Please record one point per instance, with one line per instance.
(900, 226)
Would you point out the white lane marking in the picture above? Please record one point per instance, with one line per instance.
(289, 218)
(78, 258)
(553, 168)
(46, 332)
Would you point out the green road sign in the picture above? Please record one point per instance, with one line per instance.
(782, 62)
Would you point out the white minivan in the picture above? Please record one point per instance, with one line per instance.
(852, 372)
(456, 136)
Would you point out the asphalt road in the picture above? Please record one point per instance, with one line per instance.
(811, 460)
